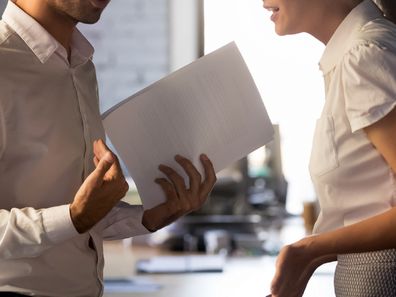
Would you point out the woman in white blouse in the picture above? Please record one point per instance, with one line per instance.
(353, 158)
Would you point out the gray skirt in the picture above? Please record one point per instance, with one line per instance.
(366, 274)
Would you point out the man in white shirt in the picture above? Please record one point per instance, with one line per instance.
(60, 185)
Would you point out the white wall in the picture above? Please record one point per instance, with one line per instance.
(287, 75)
(131, 47)
(185, 39)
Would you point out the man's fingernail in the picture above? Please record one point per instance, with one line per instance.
(204, 157)
(108, 157)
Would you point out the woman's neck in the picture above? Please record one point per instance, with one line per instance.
(334, 15)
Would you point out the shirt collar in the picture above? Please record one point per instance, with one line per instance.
(43, 44)
(341, 40)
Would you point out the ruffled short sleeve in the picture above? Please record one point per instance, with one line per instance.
(369, 84)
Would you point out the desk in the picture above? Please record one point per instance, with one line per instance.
(242, 276)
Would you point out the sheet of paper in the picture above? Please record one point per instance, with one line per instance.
(210, 106)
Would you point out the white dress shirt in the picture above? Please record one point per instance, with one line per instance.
(49, 118)
(351, 178)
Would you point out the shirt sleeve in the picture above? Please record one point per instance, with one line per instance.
(123, 221)
(2, 132)
(369, 84)
(28, 232)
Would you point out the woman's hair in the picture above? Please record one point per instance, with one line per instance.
(389, 8)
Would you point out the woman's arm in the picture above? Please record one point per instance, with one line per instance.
(297, 262)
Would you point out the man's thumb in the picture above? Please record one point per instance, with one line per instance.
(104, 164)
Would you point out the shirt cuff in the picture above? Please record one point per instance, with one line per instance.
(140, 229)
(58, 224)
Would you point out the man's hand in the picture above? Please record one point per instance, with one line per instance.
(180, 199)
(100, 192)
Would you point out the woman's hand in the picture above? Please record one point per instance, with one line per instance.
(294, 267)
(180, 199)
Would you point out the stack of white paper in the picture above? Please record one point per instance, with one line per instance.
(211, 106)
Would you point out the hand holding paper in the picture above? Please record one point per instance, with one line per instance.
(211, 106)
(180, 198)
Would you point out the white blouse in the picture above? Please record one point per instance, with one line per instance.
(49, 117)
(351, 178)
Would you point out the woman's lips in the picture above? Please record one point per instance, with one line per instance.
(274, 16)
(275, 12)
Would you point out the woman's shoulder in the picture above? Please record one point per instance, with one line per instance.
(379, 32)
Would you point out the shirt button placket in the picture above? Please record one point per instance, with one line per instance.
(84, 121)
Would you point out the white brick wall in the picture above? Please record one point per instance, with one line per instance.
(131, 47)
(131, 44)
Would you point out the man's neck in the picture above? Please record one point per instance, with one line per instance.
(59, 25)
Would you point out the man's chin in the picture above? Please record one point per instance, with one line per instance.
(89, 19)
